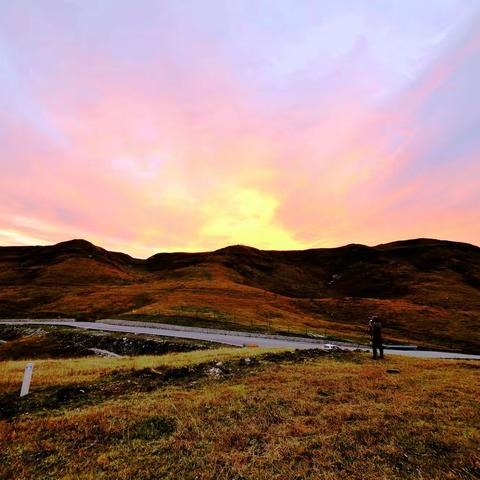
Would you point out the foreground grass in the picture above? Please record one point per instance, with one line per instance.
(89, 369)
(298, 418)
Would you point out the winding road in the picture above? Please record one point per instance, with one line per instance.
(234, 338)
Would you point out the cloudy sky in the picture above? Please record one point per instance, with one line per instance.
(186, 125)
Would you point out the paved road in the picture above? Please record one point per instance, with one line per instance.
(233, 338)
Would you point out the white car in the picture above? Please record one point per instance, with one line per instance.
(330, 346)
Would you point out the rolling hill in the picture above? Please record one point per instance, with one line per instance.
(426, 291)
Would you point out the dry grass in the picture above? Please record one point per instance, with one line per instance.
(326, 418)
(220, 303)
(89, 369)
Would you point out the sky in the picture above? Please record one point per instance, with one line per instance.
(189, 125)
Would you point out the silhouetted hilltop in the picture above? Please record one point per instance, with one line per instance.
(73, 261)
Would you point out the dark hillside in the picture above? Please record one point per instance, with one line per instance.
(71, 262)
(426, 290)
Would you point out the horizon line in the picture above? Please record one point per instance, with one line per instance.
(243, 246)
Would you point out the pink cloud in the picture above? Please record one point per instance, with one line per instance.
(162, 148)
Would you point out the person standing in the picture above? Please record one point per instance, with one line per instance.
(375, 330)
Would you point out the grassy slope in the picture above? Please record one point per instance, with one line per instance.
(312, 418)
(426, 291)
(90, 369)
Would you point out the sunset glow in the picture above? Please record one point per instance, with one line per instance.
(148, 126)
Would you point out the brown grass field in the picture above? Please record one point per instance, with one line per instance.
(256, 415)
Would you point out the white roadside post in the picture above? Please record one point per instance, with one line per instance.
(27, 378)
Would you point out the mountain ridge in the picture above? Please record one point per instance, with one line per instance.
(427, 290)
(79, 243)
